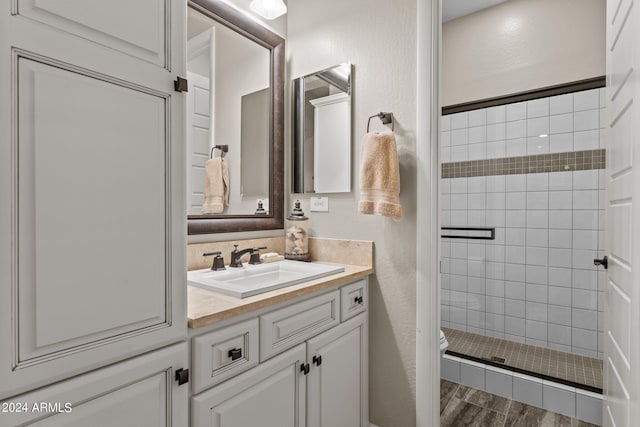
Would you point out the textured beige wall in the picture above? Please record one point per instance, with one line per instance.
(379, 38)
(521, 45)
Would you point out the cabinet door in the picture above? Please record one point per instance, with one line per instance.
(269, 395)
(337, 383)
(92, 264)
(140, 392)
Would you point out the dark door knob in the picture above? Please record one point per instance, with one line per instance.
(603, 262)
(181, 85)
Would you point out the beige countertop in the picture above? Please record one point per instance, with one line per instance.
(205, 307)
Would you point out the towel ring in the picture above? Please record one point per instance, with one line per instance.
(385, 118)
(223, 149)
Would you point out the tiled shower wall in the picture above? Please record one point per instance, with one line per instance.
(536, 282)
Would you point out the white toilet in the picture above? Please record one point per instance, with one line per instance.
(443, 343)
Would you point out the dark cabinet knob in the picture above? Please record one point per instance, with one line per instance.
(305, 368)
(182, 376)
(317, 360)
(359, 300)
(602, 261)
(235, 353)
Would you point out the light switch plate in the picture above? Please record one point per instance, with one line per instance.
(319, 204)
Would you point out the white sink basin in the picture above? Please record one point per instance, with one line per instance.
(251, 280)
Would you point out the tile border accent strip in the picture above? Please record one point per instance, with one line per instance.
(539, 163)
(561, 89)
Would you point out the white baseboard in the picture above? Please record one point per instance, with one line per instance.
(372, 425)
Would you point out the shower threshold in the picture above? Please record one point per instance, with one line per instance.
(566, 368)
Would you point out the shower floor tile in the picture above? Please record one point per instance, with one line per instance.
(579, 370)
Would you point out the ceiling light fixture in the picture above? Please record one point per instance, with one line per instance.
(269, 9)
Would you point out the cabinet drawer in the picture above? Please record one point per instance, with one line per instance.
(353, 299)
(284, 328)
(222, 354)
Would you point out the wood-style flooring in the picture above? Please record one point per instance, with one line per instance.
(462, 406)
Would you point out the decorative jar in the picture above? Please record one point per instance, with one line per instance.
(297, 235)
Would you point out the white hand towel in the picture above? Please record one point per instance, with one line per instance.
(380, 176)
(216, 186)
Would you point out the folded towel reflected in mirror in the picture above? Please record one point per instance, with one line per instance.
(380, 176)
(216, 186)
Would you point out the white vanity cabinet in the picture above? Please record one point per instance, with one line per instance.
(92, 224)
(313, 368)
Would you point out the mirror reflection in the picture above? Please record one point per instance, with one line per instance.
(228, 120)
(322, 131)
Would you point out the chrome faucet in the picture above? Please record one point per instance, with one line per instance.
(236, 256)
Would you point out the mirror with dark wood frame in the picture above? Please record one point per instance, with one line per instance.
(227, 18)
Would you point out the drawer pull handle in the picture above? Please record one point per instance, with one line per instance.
(235, 353)
(359, 300)
(182, 376)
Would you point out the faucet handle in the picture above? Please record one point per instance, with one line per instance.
(218, 261)
(255, 255)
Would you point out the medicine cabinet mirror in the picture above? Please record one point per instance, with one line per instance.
(322, 131)
(235, 73)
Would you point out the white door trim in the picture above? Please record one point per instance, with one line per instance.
(427, 277)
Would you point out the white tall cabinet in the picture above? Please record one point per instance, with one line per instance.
(137, 392)
(332, 143)
(92, 218)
